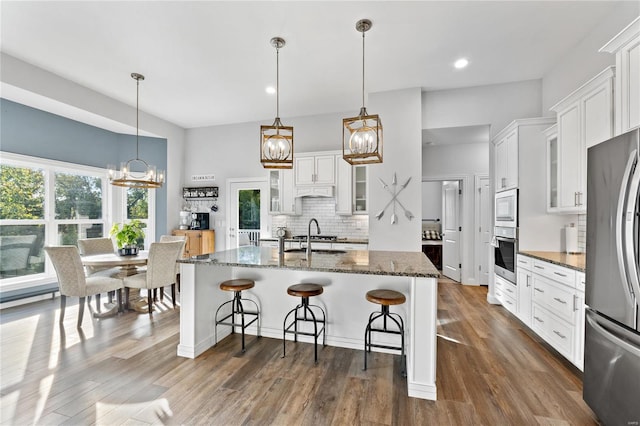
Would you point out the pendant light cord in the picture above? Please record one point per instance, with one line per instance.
(137, 116)
(363, 69)
(277, 82)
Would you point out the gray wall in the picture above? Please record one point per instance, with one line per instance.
(28, 131)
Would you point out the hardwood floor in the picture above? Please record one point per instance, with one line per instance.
(125, 370)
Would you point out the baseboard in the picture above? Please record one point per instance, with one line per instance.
(493, 300)
(417, 390)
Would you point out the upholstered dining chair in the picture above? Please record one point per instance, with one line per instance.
(161, 270)
(168, 239)
(74, 283)
(90, 246)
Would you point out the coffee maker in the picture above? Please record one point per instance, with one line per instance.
(199, 221)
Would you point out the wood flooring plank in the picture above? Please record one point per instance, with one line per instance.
(491, 370)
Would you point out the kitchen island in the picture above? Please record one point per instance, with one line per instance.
(346, 277)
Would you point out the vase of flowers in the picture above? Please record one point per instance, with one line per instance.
(127, 236)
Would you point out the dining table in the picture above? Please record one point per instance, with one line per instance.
(127, 266)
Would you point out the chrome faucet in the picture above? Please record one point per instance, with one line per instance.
(309, 235)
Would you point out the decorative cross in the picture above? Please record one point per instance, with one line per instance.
(394, 190)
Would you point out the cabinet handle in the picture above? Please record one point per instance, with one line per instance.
(579, 198)
(522, 261)
(537, 289)
(539, 267)
(562, 336)
(509, 302)
(562, 275)
(509, 290)
(538, 319)
(503, 182)
(528, 279)
(575, 303)
(557, 299)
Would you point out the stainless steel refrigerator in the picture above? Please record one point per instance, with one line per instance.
(612, 327)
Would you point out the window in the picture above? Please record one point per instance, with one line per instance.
(137, 207)
(45, 202)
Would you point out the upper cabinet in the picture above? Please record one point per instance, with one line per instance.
(315, 170)
(626, 47)
(281, 193)
(585, 118)
(315, 175)
(506, 158)
(351, 188)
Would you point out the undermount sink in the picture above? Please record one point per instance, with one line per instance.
(319, 251)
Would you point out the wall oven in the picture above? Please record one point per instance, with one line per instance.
(506, 209)
(506, 248)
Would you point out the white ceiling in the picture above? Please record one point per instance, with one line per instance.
(209, 62)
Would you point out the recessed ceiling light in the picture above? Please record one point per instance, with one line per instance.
(271, 90)
(461, 63)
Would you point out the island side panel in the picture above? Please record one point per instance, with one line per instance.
(200, 296)
(421, 374)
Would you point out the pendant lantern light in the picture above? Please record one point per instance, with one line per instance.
(362, 135)
(136, 173)
(276, 141)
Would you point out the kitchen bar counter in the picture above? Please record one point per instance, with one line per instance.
(573, 261)
(407, 264)
(346, 278)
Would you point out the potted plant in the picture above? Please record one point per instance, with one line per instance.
(127, 236)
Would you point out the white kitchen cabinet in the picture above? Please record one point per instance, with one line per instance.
(556, 305)
(360, 189)
(585, 118)
(282, 199)
(315, 170)
(506, 293)
(351, 188)
(551, 135)
(506, 158)
(525, 289)
(626, 46)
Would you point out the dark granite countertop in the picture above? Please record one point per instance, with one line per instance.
(397, 263)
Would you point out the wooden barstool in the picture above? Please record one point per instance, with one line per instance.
(385, 298)
(237, 286)
(305, 291)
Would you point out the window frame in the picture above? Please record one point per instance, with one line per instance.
(50, 168)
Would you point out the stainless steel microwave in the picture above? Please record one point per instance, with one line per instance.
(506, 209)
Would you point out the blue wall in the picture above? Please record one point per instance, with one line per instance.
(29, 131)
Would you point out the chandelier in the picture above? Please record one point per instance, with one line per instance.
(136, 173)
(362, 135)
(276, 141)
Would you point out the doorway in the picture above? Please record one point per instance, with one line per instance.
(451, 229)
(247, 212)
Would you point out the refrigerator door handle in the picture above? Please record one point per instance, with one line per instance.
(613, 335)
(629, 244)
(619, 223)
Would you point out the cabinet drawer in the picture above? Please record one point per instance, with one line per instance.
(506, 293)
(507, 301)
(580, 281)
(555, 297)
(555, 272)
(348, 246)
(524, 262)
(554, 330)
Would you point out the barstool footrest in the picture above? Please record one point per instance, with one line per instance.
(373, 345)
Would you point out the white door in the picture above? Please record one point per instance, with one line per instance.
(484, 230)
(247, 213)
(451, 230)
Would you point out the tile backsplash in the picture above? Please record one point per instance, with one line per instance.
(324, 210)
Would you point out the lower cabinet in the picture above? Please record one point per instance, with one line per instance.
(506, 292)
(551, 302)
(198, 242)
